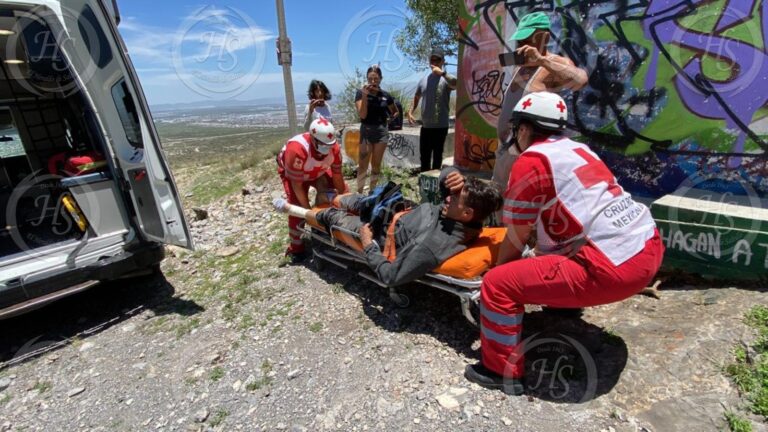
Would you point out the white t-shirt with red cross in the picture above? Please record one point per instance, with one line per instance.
(572, 197)
(298, 161)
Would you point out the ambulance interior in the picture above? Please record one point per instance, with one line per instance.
(46, 123)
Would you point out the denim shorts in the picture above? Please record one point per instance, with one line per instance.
(373, 134)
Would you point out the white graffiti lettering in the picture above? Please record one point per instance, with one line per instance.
(765, 245)
(705, 243)
(742, 248)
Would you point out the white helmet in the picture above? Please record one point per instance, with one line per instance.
(322, 130)
(544, 109)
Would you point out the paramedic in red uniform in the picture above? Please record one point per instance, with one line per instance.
(309, 159)
(594, 243)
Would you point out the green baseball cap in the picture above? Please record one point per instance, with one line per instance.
(529, 24)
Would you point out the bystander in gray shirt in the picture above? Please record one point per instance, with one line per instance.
(435, 99)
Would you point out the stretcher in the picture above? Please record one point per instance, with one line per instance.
(460, 275)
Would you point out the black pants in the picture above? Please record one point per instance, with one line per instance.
(431, 143)
(342, 218)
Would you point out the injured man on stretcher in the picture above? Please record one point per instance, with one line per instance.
(423, 237)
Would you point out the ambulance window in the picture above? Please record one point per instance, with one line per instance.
(10, 141)
(94, 38)
(129, 116)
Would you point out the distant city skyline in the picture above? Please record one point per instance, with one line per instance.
(188, 52)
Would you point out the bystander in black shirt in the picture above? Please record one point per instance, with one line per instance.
(378, 110)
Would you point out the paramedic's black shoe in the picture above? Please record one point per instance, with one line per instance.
(484, 377)
(295, 258)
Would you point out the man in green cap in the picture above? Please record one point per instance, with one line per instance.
(541, 71)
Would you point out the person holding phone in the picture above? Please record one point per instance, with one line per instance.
(435, 88)
(534, 69)
(373, 105)
(318, 106)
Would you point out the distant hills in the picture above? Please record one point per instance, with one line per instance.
(226, 103)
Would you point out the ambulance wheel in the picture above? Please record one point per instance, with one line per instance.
(400, 300)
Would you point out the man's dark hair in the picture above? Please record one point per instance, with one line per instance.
(483, 197)
(317, 84)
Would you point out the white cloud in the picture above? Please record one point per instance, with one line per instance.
(195, 37)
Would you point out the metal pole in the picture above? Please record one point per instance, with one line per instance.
(284, 59)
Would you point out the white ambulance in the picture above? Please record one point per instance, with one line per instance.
(85, 190)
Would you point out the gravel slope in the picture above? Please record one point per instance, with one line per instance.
(229, 340)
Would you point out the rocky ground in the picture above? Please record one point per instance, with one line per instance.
(229, 338)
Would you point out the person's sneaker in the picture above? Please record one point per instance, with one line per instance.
(484, 377)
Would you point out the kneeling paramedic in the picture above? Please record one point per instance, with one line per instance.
(309, 159)
(422, 238)
(595, 244)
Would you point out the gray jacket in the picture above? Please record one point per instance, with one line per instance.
(424, 239)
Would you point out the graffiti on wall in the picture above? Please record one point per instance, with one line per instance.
(676, 87)
(402, 147)
(399, 147)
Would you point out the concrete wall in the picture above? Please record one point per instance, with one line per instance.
(402, 147)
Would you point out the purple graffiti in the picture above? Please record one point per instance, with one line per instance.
(735, 99)
(739, 11)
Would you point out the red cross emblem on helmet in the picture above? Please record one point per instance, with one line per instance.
(322, 130)
(545, 110)
(527, 104)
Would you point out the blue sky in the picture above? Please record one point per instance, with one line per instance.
(186, 51)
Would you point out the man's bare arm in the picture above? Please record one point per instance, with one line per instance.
(564, 74)
(414, 105)
(301, 195)
(450, 79)
(514, 243)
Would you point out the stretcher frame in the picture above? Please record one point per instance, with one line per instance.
(343, 256)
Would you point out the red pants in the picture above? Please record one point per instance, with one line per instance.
(586, 279)
(321, 184)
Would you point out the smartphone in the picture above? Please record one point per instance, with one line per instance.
(512, 59)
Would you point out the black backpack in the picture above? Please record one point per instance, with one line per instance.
(397, 122)
(380, 206)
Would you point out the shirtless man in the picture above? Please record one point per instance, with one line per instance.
(542, 71)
